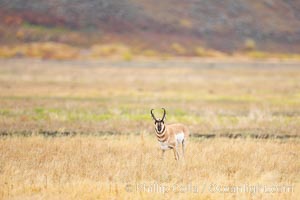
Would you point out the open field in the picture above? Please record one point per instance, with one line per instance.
(111, 151)
(115, 97)
(126, 167)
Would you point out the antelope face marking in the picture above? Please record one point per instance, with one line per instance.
(159, 125)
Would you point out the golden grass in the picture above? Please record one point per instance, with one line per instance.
(90, 167)
(47, 50)
(122, 52)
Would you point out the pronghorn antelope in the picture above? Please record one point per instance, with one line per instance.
(170, 136)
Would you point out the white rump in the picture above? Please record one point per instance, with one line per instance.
(179, 138)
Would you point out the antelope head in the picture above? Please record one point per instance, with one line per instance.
(159, 123)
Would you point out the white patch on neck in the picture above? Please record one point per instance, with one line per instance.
(179, 138)
(164, 145)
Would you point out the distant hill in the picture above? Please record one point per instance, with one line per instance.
(227, 25)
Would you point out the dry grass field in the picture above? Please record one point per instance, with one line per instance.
(82, 129)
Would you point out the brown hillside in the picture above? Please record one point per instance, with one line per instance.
(223, 25)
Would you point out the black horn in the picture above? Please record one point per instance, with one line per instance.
(153, 115)
(163, 118)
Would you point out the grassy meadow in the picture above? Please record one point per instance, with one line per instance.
(83, 130)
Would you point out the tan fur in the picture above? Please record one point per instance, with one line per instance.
(169, 136)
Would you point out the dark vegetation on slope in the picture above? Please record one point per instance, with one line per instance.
(227, 25)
